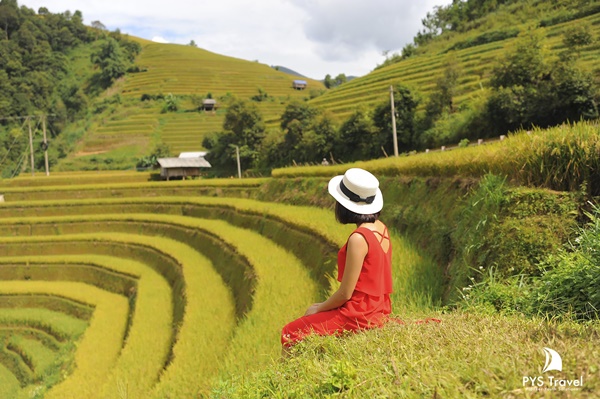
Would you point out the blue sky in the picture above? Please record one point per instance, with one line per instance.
(312, 37)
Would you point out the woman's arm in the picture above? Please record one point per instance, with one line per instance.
(355, 255)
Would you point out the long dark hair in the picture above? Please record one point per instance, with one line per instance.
(346, 216)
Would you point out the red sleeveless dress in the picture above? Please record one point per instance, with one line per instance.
(370, 303)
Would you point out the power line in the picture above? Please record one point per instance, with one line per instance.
(10, 118)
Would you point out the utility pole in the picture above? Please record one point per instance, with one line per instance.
(394, 121)
(31, 146)
(45, 145)
(237, 154)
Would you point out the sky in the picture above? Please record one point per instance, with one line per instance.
(311, 37)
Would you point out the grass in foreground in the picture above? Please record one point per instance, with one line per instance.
(466, 356)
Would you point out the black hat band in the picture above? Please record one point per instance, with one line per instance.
(355, 197)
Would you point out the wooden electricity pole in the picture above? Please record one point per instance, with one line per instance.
(394, 121)
(31, 146)
(237, 154)
(45, 145)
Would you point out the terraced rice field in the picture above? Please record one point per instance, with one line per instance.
(158, 292)
(421, 72)
(186, 71)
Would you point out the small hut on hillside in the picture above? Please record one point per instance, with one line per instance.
(299, 84)
(189, 165)
(209, 104)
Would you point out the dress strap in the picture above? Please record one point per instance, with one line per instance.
(383, 235)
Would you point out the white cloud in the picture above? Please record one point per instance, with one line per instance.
(313, 37)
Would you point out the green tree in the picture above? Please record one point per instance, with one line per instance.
(9, 17)
(110, 59)
(441, 99)
(528, 90)
(576, 37)
(405, 105)
(524, 65)
(357, 138)
(328, 81)
(243, 128)
(171, 103)
(297, 120)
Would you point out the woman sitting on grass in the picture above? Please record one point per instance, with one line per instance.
(364, 265)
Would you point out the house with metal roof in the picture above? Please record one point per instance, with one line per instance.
(299, 84)
(194, 154)
(182, 167)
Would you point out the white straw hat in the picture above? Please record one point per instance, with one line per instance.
(358, 191)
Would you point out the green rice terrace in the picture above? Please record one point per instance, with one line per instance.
(186, 73)
(129, 118)
(469, 54)
(115, 286)
(115, 283)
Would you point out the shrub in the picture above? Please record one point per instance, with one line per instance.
(570, 280)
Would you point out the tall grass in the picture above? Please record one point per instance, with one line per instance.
(559, 158)
(466, 356)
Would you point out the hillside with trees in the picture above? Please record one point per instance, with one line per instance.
(481, 69)
(477, 70)
(53, 67)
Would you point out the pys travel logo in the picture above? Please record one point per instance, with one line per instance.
(551, 382)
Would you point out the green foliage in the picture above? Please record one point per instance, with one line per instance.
(171, 103)
(441, 99)
(261, 96)
(565, 286)
(110, 59)
(308, 136)
(356, 138)
(530, 91)
(330, 82)
(484, 38)
(570, 279)
(161, 150)
(405, 105)
(243, 128)
(578, 36)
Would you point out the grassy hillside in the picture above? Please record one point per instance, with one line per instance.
(473, 63)
(129, 117)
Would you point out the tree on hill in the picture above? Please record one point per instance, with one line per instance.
(308, 136)
(528, 90)
(330, 82)
(441, 100)
(9, 17)
(244, 128)
(37, 74)
(110, 59)
(405, 105)
(576, 37)
(357, 138)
